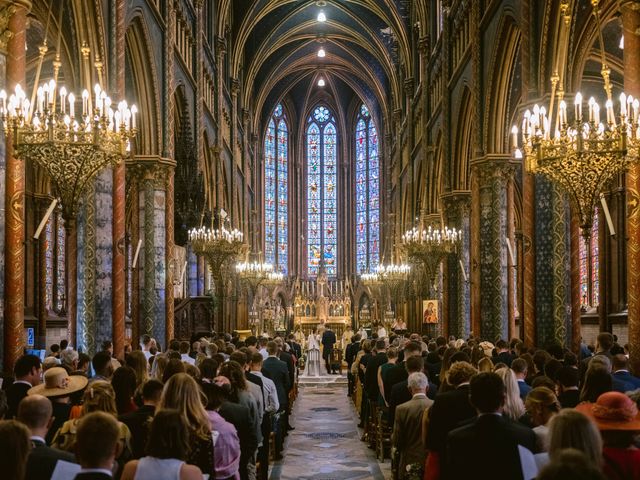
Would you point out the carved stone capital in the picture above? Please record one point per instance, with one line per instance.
(221, 45)
(151, 168)
(489, 171)
(235, 86)
(408, 85)
(458, 202)
(423, 45)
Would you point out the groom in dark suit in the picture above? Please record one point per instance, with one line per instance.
(328, 341)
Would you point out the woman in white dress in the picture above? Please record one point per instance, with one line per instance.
(314, 366)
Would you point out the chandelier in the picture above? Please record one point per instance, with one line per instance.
(393, 275)
(584, 154)
(71, 145)
(216, 245)
(430, 246)
(254, 273)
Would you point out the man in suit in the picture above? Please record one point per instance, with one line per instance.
(407, 429)
(328, 341)
(276, 370)
(296, 348)
(450, 409)
(28, 373)
(398, 372)
(140, 420)
(620, 367)
(567, 385)
(400, 392)
(503, 354)
(350, 356)
(97, 446)
(371, 374)
(604, 342)
(490, 443)
(35, 412)
(520, 367)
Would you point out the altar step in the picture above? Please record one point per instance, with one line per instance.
(325, 380)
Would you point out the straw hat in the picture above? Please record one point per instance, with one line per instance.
(613, 411)
(58, 383)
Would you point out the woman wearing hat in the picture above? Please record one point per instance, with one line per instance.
(618, 420)
(58, 386)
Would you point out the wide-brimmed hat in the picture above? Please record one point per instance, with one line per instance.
(613, 411)
(58, 383)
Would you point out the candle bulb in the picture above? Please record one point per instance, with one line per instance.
(85, 102)
(514, 133)
(63, 96)
(134, 111)
(592, 103)
(563, 113)
(596, 113)
(623, 105)
(578, 106)
(72, 101)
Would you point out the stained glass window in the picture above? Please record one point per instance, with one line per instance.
(322, 197)
(55, 263)
(367, 194)
(276, 197)
(590, 269)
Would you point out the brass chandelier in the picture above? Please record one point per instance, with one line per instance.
(71, 146)
(583, 155)
(430, 246)
(216, 245)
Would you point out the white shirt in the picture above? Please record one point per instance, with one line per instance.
(270, 392)
(382, 332)
(186, 358)
(263, 352)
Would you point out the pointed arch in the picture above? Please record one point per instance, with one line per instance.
(463, 148)
(276, 191)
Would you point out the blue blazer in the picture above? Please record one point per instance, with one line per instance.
(631, 382)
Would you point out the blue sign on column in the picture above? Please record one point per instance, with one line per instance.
(31, 334)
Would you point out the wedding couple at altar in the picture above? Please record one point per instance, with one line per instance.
(314, 366)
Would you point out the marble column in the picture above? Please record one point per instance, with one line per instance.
(457, 213)
(153, 178)
(631, 54)
(169, 254)
(118, 275)
(14, 20)
(491, 193)
(104, 258)
(5, 14)
(552, 264)
(85, 324)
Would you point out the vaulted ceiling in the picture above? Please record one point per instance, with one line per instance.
(275, 47)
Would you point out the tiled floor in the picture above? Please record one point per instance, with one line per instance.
(325, 444)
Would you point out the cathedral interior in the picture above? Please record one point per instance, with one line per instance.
(290, 163)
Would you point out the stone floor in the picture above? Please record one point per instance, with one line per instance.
(325, 444)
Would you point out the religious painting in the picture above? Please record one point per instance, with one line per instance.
(430, 311)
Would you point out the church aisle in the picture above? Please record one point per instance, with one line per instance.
(325, 444)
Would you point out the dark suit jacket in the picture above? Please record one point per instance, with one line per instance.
(352, 351)
(328, 339)
(15, 393)
(631, 382)
(296, 348)
(449, 410)
(371, 375)
(524, 389)
(488, 445)
(277, 371)
(138, 423)
(60, 413)
(394, 375)
(42, 461)
(288, 359)
(569, 398)
(238, 416)
(503, 357)
(92, 476)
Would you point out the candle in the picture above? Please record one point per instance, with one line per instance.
(135, 256)
(514, 133)
(134, 110)
(45, 219)
(510, 250)
(578, 105)
(592, 102)
(563, 113)
(85, 102)
(623, 105)
(464, 273)
(72, 102)
(605, 209)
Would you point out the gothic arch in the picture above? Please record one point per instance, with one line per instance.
(499, 101)
(142, 81)
(463, 147)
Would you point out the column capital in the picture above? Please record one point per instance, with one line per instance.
(152, 167)
(497, 167)
(423, 45)
(6, 12)
(408, 85)
(221, 45)
(235, 86)
(458, 202)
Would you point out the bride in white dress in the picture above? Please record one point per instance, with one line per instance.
(314, 366)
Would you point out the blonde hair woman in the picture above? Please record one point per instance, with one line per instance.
(542, 404)
(513, 406)
(98, 397)
(182, 393)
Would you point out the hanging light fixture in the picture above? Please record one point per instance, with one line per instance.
(322, 17)
(584, 154)
(321, 53)
(321, 82)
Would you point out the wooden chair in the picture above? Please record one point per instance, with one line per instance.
(383, 436)
(336, 359)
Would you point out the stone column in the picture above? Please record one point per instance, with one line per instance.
(457, 211)
(169, 240)
(153, 175)
(42, 204)
(630, 25)
(493, 176)
(552, 264)
(105, 217)
(13, 18)
(85, 240)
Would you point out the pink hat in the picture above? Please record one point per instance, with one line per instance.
(613, 411)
